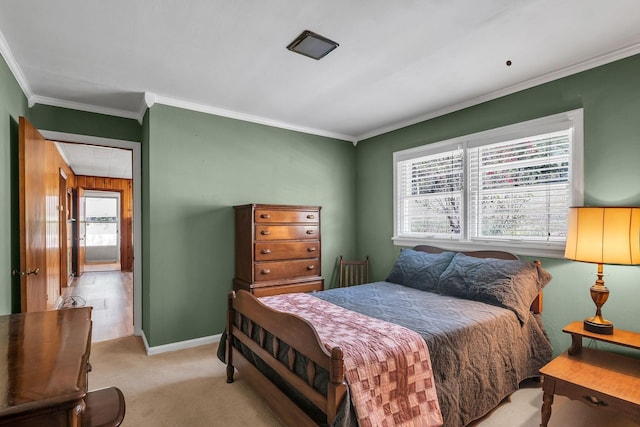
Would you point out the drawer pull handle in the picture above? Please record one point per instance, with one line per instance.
(265, 232)
(595, 401)
(310, 216)
(265, 251)
(265, 216)
(265, 271)
(311, 267)
(310, 231)
(311, 249)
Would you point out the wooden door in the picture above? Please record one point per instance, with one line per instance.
(33, 232)
(82, 231)
(62, 213)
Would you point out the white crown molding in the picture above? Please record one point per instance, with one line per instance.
(13, 66)
(55, 102)
(149, 98)
(61, 153)
(545, 78)
(248, 118)
(147, 101)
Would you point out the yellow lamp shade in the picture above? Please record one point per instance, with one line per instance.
(604, 235)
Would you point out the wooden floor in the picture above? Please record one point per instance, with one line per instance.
(110, 293)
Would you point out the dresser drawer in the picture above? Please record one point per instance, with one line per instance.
(286, 232)
(269, 251)
(271, 216)
(260, 291)
(593, 398)
(285, 269)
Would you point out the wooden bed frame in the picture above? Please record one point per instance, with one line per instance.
(245, 309)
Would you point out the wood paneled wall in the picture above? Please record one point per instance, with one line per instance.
(125, 187)
(56, 230)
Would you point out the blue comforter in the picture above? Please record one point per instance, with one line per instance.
(479, 352)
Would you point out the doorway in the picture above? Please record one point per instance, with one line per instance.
(102, 236)
(135, 148)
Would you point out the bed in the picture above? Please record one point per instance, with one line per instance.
(478, 313)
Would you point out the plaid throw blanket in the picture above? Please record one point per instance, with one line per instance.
(387, 366)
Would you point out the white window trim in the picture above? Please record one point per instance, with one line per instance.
(573, 119)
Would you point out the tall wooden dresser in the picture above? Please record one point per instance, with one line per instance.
(277, 249)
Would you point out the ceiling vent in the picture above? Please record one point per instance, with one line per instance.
(312, 45)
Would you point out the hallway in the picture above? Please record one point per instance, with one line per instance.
(110, 293)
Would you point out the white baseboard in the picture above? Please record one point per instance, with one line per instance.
(181, 345)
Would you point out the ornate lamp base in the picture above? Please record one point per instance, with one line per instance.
(599, 294)
(605, 328)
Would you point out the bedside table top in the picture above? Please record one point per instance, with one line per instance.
(619, 337)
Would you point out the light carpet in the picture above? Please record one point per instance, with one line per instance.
(188, 388)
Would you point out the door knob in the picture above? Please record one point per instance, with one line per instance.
(35, 272)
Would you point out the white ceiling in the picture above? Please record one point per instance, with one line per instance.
(92, 160)
(399, 62)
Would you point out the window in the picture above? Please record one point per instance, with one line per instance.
(508, 188)
(102, 221)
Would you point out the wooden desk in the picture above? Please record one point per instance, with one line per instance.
(598, 378)
(46, 355)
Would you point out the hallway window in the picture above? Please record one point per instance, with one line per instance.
(102, 221)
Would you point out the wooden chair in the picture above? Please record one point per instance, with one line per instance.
(105, 407)
(353, 272)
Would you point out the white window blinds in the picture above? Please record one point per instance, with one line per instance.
(502, 188)
(520, 190)
(432, 194)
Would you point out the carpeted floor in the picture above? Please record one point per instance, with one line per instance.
(188, 388)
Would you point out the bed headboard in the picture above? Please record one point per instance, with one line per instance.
(477, 254)
(536, 305)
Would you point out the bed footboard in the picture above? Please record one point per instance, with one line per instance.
(266, 332)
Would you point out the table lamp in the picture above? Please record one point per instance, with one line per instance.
(603, 235)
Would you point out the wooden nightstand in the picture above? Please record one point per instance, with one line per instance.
(598, 378)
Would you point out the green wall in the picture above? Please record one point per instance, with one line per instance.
(610, 96)
(195, 168)
(13, 104)
(58, 119)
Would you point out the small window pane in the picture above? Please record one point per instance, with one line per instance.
(101, 221)
(101, 209)
(431, 192)
(102, 234)
(521, 188)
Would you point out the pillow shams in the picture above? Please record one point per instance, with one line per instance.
(420, 270)
(511, 284)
